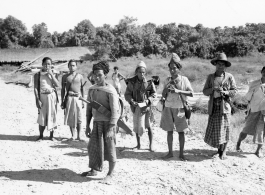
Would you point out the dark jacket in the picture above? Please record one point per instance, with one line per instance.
(139, 91)
(228, 84)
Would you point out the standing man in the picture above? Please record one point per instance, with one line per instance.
(173, 116)
(72, 89)
(221, 87)
(45, 84)
(117, 77)
(140, 93)
(256, 109)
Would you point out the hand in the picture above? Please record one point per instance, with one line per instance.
(110, 132)
(62, 105)
(224, 92)
(50, 71)
(88, 131)
(39, 104)
(134, 104)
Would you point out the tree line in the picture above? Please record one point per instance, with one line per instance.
(129, 39)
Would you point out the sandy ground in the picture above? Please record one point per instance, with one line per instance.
(29, 167)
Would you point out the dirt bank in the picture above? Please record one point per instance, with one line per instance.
(47, 167)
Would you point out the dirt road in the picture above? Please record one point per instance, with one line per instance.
(29, 167)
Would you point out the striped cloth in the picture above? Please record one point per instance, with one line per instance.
(100, 148)
(48, 111)
(73, 111)
(218, 128)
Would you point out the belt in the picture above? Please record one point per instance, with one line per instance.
(73, 94)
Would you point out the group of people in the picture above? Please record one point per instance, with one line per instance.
(140, 93)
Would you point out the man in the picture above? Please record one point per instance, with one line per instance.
(173, 116)
(255, 120)
(117, 77)
(102, 138)
(72, 89)
(140, 94)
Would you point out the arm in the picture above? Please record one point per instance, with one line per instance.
(152, 94)
(63, 88)
(128, 95)
(122, 77)
(88, 117)
(54, 78)
(36, 93)
(208, 88)
(82, 90)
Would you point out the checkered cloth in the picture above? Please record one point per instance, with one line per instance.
(101, 148)
(218, 128)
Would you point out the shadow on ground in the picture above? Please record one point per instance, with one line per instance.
(18, 137)
(55, 176)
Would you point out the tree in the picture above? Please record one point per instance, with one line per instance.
(12, 32)
(42, 38)
(87, 31)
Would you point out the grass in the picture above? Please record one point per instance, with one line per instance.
(244, 70)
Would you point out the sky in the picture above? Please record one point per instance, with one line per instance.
(62, 15)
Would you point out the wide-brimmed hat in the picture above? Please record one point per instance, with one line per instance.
(141, 64)
(221, 57)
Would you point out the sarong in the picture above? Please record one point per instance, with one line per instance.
(141, 121)
(101, 148)
(255, 126)
(48, 111)
(218, 128)
(73, 112)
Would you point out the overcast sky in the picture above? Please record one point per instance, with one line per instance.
(62, 15)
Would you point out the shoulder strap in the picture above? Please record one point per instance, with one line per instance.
(68, 89)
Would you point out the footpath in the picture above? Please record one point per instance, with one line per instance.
(29, 167)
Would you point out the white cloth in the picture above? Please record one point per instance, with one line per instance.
(173, 100)
(116, 80)
(256, 96)
(217, 84)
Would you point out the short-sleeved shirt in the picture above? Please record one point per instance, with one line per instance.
(173, 99)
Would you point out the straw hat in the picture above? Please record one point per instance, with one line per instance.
(221, 57)
(141, 64)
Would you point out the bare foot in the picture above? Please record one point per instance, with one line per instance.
(169, 155)
(151, 149)
(79, 139)
(52, 139)
(89, 173)
(214, 155)
(259, 154)
(39, 138)
(70, 139)
(183, 158)
(223, 156)
(107, 180)
(137, 147)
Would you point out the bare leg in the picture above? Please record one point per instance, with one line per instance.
(138, 142)
(72, 129)
(51, 136)
(41, 130)
(150, 135)
(223, 153)
(258, 153)
(242, 136)
(78, 131)
(169, 144)
(181, 145)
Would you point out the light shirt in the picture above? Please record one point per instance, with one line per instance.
(256, 96)
(46, 83)
(217, 84)
(173, 100)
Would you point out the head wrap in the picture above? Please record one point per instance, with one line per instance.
(102, 65)
(141, 64)
(175, 60)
